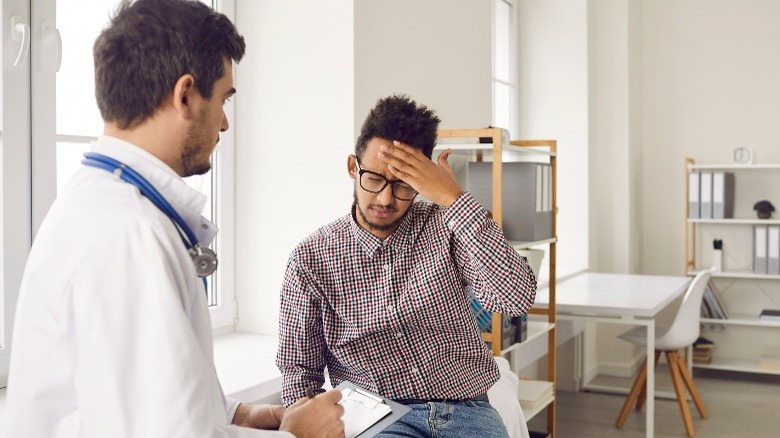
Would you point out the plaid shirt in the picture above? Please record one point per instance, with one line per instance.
(393, 315)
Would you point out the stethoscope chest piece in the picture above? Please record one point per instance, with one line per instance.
(205, 260)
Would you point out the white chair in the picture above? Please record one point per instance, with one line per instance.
(683, 331)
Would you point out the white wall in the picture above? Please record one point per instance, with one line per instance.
(552, 94)
(294, 130)
(616, 151)
(674, 79)
(711, 71)
(437, 51)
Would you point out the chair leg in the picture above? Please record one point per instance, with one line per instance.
(640, 380)
(691, 387)
(674, 369)
(640, 402)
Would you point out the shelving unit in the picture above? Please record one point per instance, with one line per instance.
(466, 141)
(739, 338)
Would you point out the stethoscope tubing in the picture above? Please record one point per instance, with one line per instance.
(132, 177)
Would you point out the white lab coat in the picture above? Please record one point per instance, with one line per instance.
(112, 335)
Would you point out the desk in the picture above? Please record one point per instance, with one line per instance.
(619, 299)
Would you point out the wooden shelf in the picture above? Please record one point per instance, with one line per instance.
(535, 329)
(475, 147)
(733, 166)
(735, 364)
(522, 245)
(737, 324)
(742, 320)
(740, 274)
(734, 221)
(531, 413)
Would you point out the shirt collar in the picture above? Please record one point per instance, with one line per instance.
(187, 201)
(399, 239)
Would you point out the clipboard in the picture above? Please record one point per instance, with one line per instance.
(356, 400)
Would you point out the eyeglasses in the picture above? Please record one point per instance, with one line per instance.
(375, 183)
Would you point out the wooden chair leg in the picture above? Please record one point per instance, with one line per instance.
(640, 380)
(674, 369)
(691, 387)
(640, 402)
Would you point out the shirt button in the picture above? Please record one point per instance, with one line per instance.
(390, 308)
(387, 267)
(399, 335)
(451, 224)
(414, 370)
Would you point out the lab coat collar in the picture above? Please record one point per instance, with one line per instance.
(187, 201)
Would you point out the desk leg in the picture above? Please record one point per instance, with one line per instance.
(650, 416)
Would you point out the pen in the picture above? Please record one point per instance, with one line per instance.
(309, 390)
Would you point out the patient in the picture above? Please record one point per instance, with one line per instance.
(379, 295)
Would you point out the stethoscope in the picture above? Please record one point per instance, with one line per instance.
(204, 258)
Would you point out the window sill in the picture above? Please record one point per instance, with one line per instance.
(245, 366)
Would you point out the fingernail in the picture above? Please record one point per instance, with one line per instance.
(382, 148)
(396, 142)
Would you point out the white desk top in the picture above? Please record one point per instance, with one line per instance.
(614, 294)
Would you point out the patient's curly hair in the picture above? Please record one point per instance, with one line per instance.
(398, 117)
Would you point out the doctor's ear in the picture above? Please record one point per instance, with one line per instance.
(183, 93)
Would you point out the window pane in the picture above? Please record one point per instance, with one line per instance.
(69, 157)
(502, 43)
(79, 22)
(502, 109)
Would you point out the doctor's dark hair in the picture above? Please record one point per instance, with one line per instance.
(149, 45)
(398, 117)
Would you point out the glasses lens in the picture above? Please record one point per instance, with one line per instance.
(404, 191)
(372, 182)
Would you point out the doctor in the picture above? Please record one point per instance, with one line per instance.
(112, 336)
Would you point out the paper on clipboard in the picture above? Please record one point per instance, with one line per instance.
(366, 414)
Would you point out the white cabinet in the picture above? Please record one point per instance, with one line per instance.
(743, 341)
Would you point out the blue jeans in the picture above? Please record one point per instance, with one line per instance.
(465, 419)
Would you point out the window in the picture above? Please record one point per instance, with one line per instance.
(503, 65)
(56, 80)
(14, 163)
(78, 123)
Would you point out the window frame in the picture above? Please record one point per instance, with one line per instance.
(16, 190)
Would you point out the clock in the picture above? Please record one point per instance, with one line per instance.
(743, 155)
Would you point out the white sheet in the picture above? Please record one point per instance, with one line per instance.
(503, 397)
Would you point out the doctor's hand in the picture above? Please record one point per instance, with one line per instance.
(267, 417)
(319, 416)
(435, 181)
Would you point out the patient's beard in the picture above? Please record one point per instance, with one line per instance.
(373, 226)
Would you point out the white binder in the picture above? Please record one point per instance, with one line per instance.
(693, 195)
(759, 249)
(705, 197)
(773, 250)
(722, 195)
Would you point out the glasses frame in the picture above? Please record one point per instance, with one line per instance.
(387, 181)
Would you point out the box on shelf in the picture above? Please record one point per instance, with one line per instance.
(534, 394)
(526, 196)
(702, 350)
(770, 315)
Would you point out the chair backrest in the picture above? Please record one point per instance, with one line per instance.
(685, 327)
